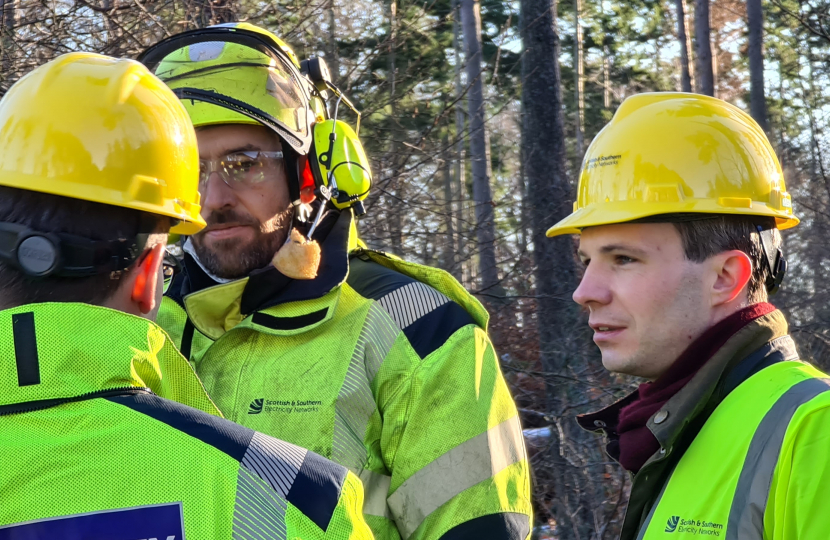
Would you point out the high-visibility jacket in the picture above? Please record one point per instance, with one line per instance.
(382, 366)
(756, 465)
(91, 450)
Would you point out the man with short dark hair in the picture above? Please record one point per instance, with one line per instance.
(678, 209)
(106, 433)
(703, 238)
(43, 211)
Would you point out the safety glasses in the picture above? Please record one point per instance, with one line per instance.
(240, 170)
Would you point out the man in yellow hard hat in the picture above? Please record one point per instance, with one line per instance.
(679, 207)
(299, 331)
(98, 161)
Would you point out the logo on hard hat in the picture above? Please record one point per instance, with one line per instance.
(603, 161)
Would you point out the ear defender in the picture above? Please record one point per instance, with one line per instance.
(339, 163)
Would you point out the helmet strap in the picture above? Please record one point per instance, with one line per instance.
(41, 254)
(774, 257)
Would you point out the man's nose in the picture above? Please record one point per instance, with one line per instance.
(593, 289)
(216, 193)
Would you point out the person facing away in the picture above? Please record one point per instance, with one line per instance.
(106, 433)
(381, 365)
(679, 207)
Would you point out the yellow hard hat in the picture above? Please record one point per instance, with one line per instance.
(668, 153)
(237, 73)
(90, 127)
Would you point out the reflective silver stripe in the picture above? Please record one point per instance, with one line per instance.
(376, 489)
(411, 302)
(746, 515)
(259, 512)
(355, 403)
(277, 462)
(461, 468)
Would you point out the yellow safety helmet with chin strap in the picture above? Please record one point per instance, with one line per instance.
(238, 73)
(670, 153)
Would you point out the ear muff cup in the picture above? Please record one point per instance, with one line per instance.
(345, 157)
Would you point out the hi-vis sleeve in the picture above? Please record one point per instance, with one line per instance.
(453, 442)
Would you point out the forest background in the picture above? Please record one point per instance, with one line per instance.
(476, 116)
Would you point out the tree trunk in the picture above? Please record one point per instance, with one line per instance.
(7, 12)
(782, 150)
(686, 70)
(394, 208)
(543, 153)
(703, 48)
(579, 82)
(815, 164)
(448, 259)
(606, 63)
(333, 55)
(460, 172)
(480, 151)
(757, 99)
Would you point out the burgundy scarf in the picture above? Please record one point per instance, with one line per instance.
(637, 443)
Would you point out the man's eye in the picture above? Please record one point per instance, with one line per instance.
(242, 165)
(622, 259)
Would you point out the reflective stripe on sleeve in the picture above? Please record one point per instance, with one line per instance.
(411, 302)
(277, 462)
(259, 512)
(461, 468)
(355, 402)
(376, 489)
(746, 515)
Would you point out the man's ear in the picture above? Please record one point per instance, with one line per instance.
(734, 270)
(146, 281)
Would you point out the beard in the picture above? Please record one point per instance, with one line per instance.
(233, 259)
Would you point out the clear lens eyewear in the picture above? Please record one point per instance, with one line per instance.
(240, 169)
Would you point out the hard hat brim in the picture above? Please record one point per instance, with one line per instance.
(617, 212)
(145, 195)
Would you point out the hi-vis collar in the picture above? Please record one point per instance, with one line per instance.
(216, 310)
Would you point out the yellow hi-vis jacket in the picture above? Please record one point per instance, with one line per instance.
(91, 450)
(380, 365)
(756, 464)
